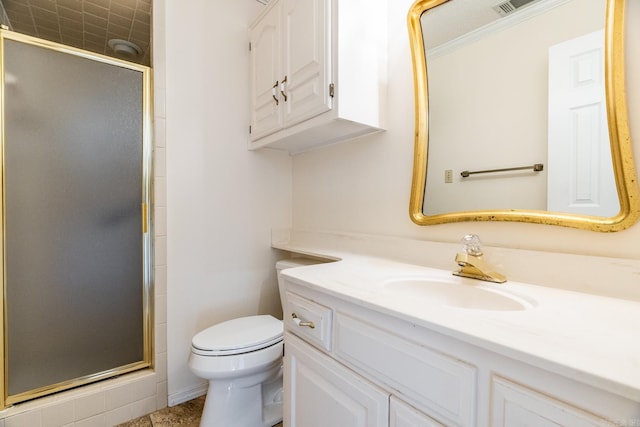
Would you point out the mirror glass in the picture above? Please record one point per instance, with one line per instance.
(518, 108)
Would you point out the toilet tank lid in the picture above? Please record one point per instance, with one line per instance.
(240, 333)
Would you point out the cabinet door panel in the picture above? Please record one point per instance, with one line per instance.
(515, 405)
(443, 384)
(403, 415)
(306, 59)
(320, 392)
(265, 71)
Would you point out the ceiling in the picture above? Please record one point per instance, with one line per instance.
(457, 18)
(85, 24)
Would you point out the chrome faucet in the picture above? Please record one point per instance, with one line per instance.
(471, 262)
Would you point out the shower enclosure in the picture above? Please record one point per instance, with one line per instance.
(76, 242)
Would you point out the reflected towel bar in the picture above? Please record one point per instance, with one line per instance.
(536, 168)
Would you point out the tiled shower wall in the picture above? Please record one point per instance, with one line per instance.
(117, 400)
(160, 202)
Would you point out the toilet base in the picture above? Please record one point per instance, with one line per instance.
(228, 404)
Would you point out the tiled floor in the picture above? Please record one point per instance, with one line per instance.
(184, 415)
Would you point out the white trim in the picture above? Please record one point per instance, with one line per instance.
(500, 24)
(188, 394)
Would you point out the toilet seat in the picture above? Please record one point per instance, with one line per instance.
(238, 336)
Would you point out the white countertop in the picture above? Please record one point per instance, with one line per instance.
(592, 339)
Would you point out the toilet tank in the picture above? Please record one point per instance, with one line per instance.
(291, 263)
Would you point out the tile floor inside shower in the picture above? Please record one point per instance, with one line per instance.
(184, 415)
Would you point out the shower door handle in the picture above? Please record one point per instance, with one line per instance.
(145, 218)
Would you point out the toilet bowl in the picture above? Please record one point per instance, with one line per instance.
(242, 360)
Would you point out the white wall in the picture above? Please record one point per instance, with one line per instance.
(222, 200)
(363, 185)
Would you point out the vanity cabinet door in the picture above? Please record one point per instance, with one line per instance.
(320, 392)
(516, 405)
(403, 415)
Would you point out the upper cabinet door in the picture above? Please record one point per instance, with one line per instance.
(307, 84)
(306, 59)
(266, 73)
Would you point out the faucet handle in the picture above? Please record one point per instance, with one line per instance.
(471, 245)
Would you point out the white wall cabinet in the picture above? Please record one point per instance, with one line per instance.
(374, 369)
(317, 72)
(290, 60)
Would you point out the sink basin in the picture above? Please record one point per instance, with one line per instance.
(449, 293)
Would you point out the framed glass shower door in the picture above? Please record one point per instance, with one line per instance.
(76, 241)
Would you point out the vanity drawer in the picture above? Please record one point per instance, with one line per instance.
(308, 320)
(444, 386)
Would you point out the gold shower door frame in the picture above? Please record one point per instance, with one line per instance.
(147, 232)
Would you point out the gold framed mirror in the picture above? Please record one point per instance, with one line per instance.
(490, 156)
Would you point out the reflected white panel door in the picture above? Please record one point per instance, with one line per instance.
(319, 392)
(580, 171)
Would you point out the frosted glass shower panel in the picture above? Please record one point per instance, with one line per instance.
(73, 232)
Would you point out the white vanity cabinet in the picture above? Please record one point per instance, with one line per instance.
(350, 364)
(317, 72)
(321, 392)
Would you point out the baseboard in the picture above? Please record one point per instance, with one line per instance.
(188, 394)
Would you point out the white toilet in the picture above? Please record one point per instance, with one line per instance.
(242, 360)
